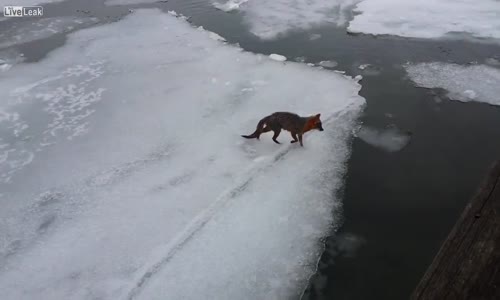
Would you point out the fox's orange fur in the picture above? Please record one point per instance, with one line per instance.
(294, 123)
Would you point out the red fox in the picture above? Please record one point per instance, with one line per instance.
(294, 123)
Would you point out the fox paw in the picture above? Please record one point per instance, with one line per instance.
(293, 142)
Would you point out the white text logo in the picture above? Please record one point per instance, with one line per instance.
(22, 11)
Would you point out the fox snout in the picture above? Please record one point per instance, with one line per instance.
(319, 127)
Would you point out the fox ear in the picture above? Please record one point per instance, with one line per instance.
(317, 116)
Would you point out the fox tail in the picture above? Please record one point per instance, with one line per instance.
(258, 130)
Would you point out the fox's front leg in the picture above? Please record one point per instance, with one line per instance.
(300, 139)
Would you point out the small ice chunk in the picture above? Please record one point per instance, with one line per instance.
(363, 66)
(300, 59)
(369, 69)
(492, 62)
(314, 36)
(390, 139)
(346, 244)
(215, 36)
(277, 57)
(358, 77)
(470, 94)
(229, 5)
(173, 13)
(328, 64)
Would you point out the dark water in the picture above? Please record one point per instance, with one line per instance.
(398, 207)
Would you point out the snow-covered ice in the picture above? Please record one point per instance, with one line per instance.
(34, 29)
(389, 139)
(277, 57)
(464, 83)
(428, 18)
(125, 176)
(272, 19)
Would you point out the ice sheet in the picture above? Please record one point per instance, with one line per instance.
(428, 18)
(128, 177)
(272, 19)
(464, 83)
(36, 29)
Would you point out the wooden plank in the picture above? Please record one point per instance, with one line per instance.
(468, 264)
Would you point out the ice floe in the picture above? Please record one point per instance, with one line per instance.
(272, 19)
(126, 176)
(428, 18)
(464, 83)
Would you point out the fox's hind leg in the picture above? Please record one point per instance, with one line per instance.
(294, 136)
(276, 134)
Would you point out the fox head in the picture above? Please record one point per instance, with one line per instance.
(315, 123)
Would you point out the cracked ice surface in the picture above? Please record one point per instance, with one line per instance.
(124, 174)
